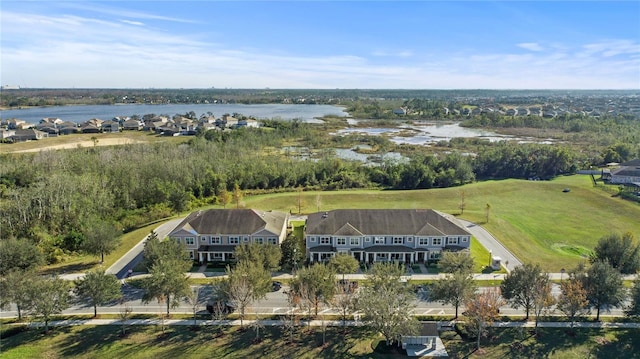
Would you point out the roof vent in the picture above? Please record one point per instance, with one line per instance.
(325, 215)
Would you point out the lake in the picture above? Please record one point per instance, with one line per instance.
(307, 113)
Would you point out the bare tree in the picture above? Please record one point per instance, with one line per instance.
(124, 314)
(193, 299)
(345, 300)
(244, 284)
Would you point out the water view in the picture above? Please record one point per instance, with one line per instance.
(307, 113)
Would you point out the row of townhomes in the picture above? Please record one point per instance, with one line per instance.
(369, 235)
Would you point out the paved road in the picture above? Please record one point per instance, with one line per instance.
(121, 267)
(509, 261)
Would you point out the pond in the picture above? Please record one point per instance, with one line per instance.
(430, 133)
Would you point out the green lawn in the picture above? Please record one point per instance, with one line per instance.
(534, 219)
(232, 342)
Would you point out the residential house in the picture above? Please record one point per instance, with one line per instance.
(628, 173)
(213, 235)
(5, 134)
(111, 126)
(426, 343)
(27, 135)
(132, 125)
(375, 235)
(89, 128)
(248, 122)
(48, 127)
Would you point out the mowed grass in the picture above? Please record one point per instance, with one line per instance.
(182, 342)
(232, 342)
(535, 220)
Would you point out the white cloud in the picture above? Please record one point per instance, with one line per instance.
(68, 51)
(130, 22)
(531, 46)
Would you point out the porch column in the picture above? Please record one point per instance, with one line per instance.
(200, 257)
(223, 256)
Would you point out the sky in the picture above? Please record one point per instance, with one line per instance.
(321, 44)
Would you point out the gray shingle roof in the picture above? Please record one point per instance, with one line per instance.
(233, 221)
(383, 222)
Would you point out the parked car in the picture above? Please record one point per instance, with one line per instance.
(221, 306)
(275, 286)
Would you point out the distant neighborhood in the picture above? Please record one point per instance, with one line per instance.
(16, 130)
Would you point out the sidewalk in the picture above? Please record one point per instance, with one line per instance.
(320, 323)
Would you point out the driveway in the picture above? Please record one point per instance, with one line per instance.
(496, 248)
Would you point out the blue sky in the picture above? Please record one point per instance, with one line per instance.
(321, 44)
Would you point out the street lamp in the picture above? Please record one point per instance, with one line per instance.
(490, 257)
(561, 274)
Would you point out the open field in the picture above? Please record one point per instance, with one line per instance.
(85, 140)
(231, 342)
(534, 219)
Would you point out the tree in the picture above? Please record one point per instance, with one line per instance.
(519, 287)
(15, 288)
(343, 264)
(387, 302)
(237, 195)
(293, 252)
(318, 202)
(156, 250)
(167, 283)
(543, 300)
(604, 287)
(193, 299)
(101, 238)
(572, 300)
(224, 198)
(19, 254)
(246, 283)
(456, 289)
(99, 288)
(48, 296)
(487, 212)
(315, 285)
(633, 310)
(300, 203)
(463, 204)
(482, 310)
(452, 262)
(268, 255)
(345, 300)
(124, 314)
(621, 252)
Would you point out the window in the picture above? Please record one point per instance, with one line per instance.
(312, 239)
(189, 241)
(272, 240)
(246, 239)
(234, 240)
(203, 239)
(215, 240)
(434, 255)
(398, 240)
(215, 256)
(259, 240)
(379, 240)
(341, 241)
(367, 239)
(437, 241)
(464, 239)
(325, 240)
(191, 255)
(354, 241)
(410, 239)
(423, 241)
(452, 240)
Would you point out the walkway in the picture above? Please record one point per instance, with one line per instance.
(320, 323)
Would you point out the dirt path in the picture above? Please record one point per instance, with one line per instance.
(101, 142)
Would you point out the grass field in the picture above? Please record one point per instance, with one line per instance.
(231, 342)
(536, 220)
